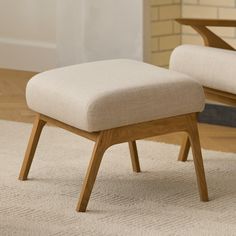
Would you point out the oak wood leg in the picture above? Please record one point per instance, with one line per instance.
(197, 158)
(134, 156)
(184, 150)
(31, 148)
(100, 147)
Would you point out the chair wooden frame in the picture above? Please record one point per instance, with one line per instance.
(210, 40)
(104, 139)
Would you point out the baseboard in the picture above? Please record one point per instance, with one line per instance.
(218, 115)
(27, 55)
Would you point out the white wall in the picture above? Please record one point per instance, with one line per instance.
(70, 31)
(113, 29)
(94, 30)
(28, 34)
(38, 35)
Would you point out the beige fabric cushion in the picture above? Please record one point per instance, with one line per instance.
(212, 67)
(106, 94)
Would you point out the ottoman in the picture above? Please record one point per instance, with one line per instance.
(115, 101)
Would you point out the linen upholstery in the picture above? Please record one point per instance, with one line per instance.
(107, 94)
(212, 67)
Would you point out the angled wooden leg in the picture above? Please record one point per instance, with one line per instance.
(134, 156)
(197, 157)
(100, 147)
(184, 150)
(32, 145)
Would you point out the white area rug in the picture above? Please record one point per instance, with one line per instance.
(162, 200)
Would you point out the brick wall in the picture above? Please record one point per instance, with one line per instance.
(165, 34)
(215, 9)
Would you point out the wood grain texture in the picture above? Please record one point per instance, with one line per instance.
(210, 38)
(92, 136)
(13, 105)
(31, 148)
(148, 129)
(197, 156)
(187, 123)
(134, 156)
(107, 138)
(220, 96)
(102, 143)
(207, 22)
(184, 149)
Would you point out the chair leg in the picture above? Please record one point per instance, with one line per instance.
(32, 145)
(134, 156)
(184, 150)
(100, 147)
(197, 158)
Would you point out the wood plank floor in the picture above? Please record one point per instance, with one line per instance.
(13, 107)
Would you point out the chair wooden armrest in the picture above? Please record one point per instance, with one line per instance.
(207, 22)
(210, 38)
(213, 40)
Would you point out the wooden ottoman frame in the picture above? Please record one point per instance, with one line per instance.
(104, 139)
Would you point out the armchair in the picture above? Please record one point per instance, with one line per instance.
(213, 40)
(197, 57)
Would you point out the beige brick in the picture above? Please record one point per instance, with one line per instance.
(176, 27)
(192, 39)
(223, 31)
(161, 58)
(190, 1)
(188, 30)
(227, 13)
(161, 28)
(168, 34)
(154, 13)
(160, 2)
(169, 42)
(170, 12)
(199, 12)
(225, 3)
(232, 42)
(154, 44)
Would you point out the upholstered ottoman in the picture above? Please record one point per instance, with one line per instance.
(115, 101)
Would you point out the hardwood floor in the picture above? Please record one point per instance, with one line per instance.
(13, 107)
(12, 95)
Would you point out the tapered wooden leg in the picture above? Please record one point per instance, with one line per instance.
(134, 156)
(32, 145)
(197, 157)
(100, 146)
(184, 150)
